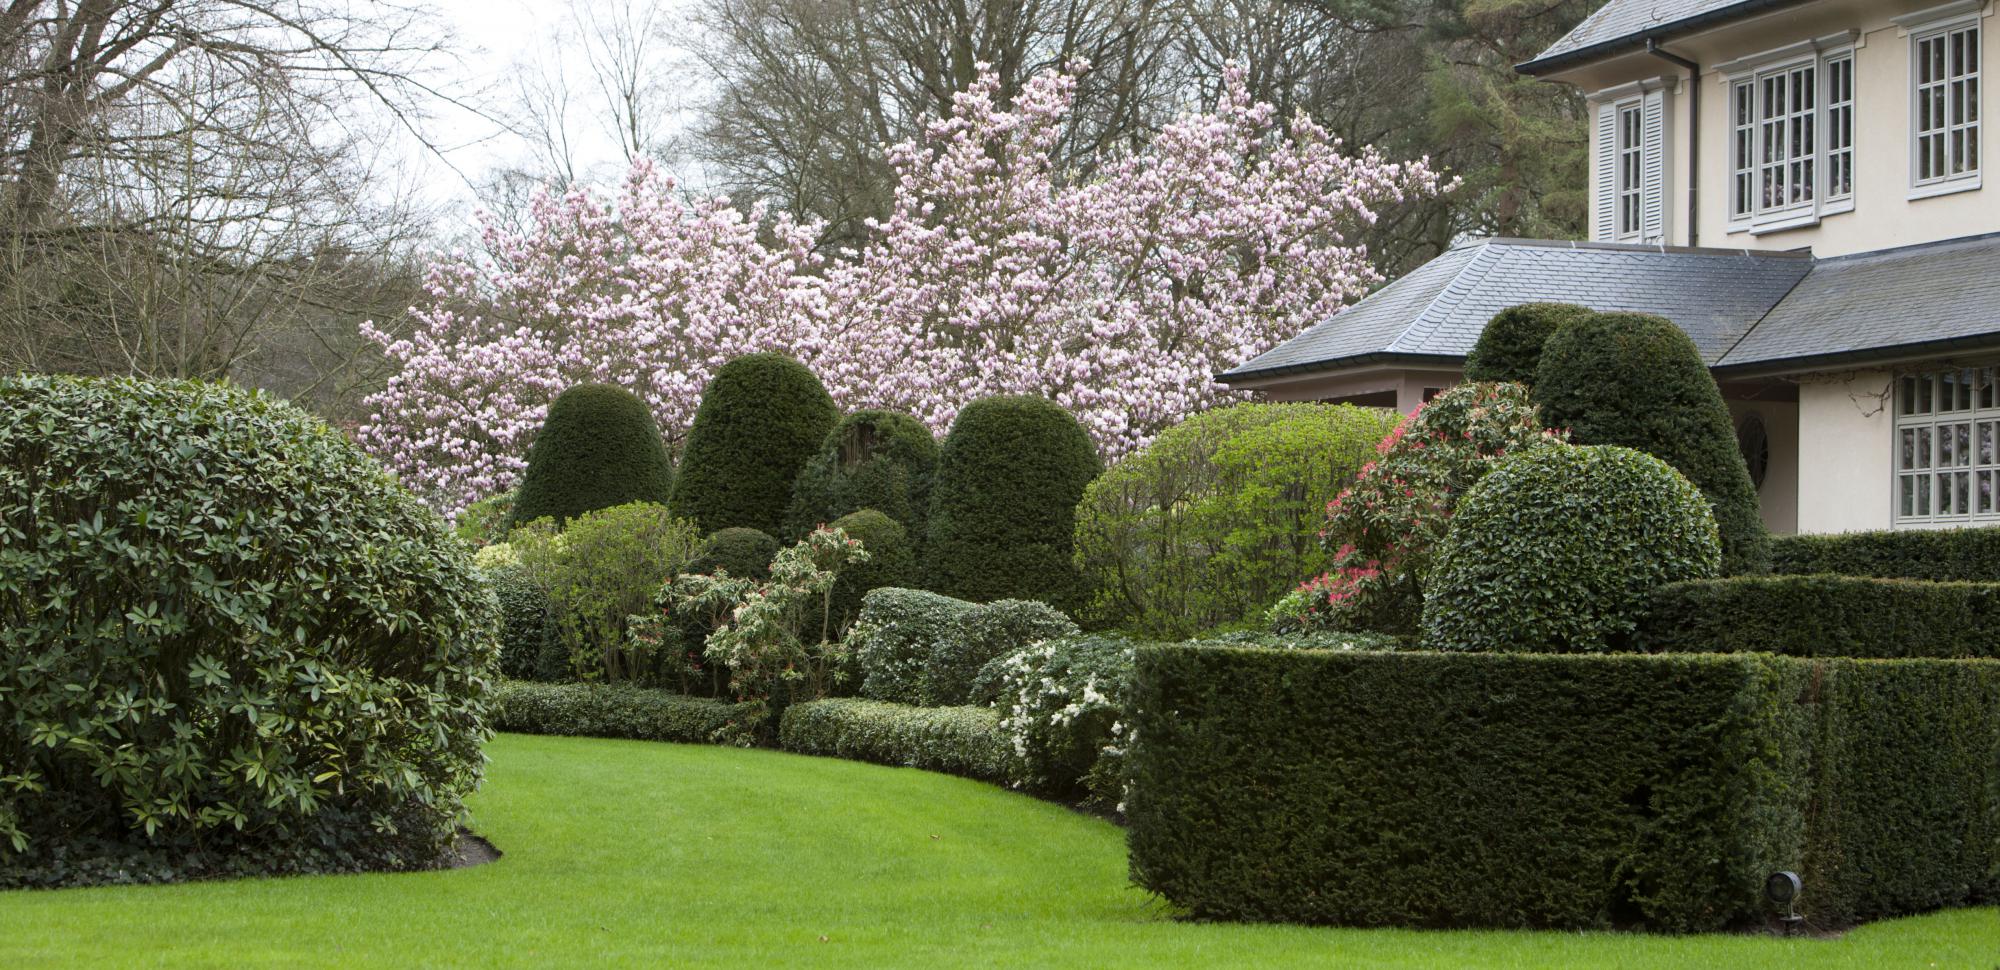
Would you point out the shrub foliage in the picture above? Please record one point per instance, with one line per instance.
(625, 711)
(1003, 509)
(1824, 616)
(762, 417)
(1636, 380)
(1510, 348)
(891, 562)
(1939, 555)
(1215, 519)
(598, 448)
(738, 551)
(979, 635)
(605, 567)
(957, 740)
(1063, 706)
(894, 636)
(225, 634)
(872, 459)
(1558, 548)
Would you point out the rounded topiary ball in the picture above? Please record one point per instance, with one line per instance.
(1510, 348)
(743, 553)
(761, 418)
(1557, 549)
(1003, 506)
(599, 447)
(890, 562)
(1636, 380)
(198, 577)
(872, 459)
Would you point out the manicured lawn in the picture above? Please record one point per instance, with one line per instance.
(635, 854)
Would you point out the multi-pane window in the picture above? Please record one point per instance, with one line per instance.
(1946, 110)
(1947, 446)
(1631, 174)
(1840, 127)
(1743, 147)
(1785, 115)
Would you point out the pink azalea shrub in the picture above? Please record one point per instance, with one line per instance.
(1118, 296)
(1386, 528)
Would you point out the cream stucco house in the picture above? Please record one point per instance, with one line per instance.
(1799, 184)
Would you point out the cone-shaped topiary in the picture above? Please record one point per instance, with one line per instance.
(890, 562)
(1510, 348)
(1636, 380)
(742, 553)
(873, 459)
(597, 448)
(762, 416)
(1003, 506)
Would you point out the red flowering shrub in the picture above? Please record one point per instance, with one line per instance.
(1386, 527)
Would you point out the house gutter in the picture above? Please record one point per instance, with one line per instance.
(1694, 134)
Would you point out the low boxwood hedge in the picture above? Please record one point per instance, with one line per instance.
(1824, 616)
(1516, 790)
(957, 740)
(1940, 555)
(621, 711)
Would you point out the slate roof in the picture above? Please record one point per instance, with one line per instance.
(1627, 24)
(1748, 311)
(1439, 309)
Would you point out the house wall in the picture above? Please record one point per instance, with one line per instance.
(1845, 452)
(1778, 496)
(1884, 215)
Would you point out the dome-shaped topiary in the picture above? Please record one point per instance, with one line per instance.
(202, 579)
(743, 553)
(599, 447)
(890, 562)
(872, 459)
(761, 418)
(1510, 348)
(1558, 547)
(1636, 380)
(1003, 506)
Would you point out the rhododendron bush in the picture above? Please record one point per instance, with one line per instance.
(1387, 527)
(1119, 296)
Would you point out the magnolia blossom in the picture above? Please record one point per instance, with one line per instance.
(1118, 296)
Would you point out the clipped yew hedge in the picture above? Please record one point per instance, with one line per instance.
(1941, 555)
(1824, 616)
(955, 740)
(624, 711)
(1579, 791)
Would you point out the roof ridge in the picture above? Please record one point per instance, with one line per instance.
(1484, 260)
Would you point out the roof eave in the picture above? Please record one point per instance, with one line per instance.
(1637, 41)
(1846, 359)
(1340, 363)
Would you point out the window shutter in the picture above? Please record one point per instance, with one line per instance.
(1604, 209)
(1653, 155)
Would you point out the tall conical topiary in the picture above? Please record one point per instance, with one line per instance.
(1003, 506)
(872, 459)
(761, 418)
(1510, 348)
(1636, 380)
(598, 448)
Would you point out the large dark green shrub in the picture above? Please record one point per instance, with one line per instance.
(892, 640)
(225, 634)
(1824, 616)
(872, 459)
(1003, 508)
(1216, 518)
(1636, 380)
(958, 740)
(1510, 348)
(1940, 555)
(1558, 548)
(598, 447)
(738, 551)
(1515, 790)
(891, 562)
(761, 418)
(529, 646)
(624, 711)
(977, 637)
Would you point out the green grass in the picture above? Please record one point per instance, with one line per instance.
(627, 853)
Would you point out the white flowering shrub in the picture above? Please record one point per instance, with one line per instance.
(893, 638)
(1062, 707)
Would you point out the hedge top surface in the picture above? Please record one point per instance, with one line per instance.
(598, 447)
(1636, 380)
(1940, 555)
(761, 418)
(1003, 507)
(872, 459)
(1825, 616)
(1510, 348)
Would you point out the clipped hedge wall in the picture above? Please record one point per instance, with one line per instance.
(761, 418)
(956, 740)
(1824, 616)
(598, 447)
(1940, 555)
(621, 711)
(1513, 790)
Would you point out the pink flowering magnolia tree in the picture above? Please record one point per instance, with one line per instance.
(1118, 296)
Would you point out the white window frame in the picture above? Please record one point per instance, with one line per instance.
(1815, 164)
(1945, 464)
(1629, 170)
(1954, 134)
